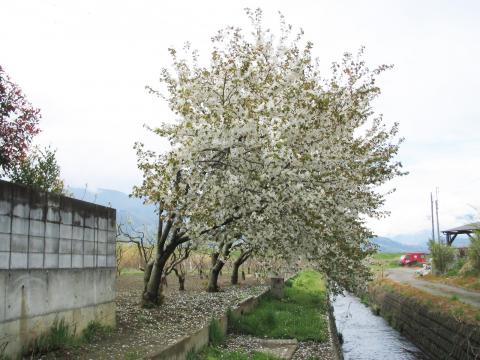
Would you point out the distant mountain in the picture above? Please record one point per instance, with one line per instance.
(128, 209)
(421, 238)
(387, 245)
(417, 238)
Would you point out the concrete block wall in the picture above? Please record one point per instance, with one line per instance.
(41, 230)
(57, 260)
(439, 335)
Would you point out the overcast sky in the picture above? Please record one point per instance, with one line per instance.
(85, 65)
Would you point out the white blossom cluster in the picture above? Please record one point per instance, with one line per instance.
(266, 150)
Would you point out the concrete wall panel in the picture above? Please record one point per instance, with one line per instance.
(4, 242)
(89, 248)
(102, 236)
(111, 248)
(36, 244)
(4, 261)
(21, 209)
(77, 247)
(20, 225)
(77, 261)
(5, 207)
(89, 234)
(66, 217)
(65, 231)
(77, 233)
(52, 245)
(65, 261)
(51, 261)
(53, 264)
(18, 260)
(53, 214)
(88, 261)
(19, 243)
(65, 246)
(101, 249)
(52, 230)
(5, 223)
(37, 228)
(35, 261)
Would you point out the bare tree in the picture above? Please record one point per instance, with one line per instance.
(199, 262)
(119, 251)
(141, 239)
(176, 264)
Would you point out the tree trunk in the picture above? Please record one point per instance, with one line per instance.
(243, 275)
(181, 283)
(214, 273)
(236, 266)
(181, 279)
(217, 265)
(152, 294)
(153, 288)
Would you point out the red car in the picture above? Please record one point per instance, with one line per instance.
(413, 258)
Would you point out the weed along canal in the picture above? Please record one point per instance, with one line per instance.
(367, 336)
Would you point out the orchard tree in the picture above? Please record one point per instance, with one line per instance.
(18, 123)
(264, 148)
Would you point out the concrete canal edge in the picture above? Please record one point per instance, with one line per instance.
(199, 339)
(336, 347)
(439, 335)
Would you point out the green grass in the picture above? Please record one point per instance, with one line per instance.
(95, 330)
(59, 336)
(62, 336)
(210, 353)
(131, 271)
(215, 333)
(382, 261)
(300, 314)
(386, 260)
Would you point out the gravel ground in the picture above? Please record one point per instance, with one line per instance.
(139, 331)
(310, 349)
(306, 350)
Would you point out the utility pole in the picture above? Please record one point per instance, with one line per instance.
(433, 219)
(436, 206)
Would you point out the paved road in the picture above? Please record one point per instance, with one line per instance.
(407, 276)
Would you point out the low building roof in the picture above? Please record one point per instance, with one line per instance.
(464, 229)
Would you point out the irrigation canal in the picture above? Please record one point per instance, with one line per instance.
(367, 336)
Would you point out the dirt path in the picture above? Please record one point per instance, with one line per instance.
(407, 276)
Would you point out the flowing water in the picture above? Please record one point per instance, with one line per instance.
(369, 337)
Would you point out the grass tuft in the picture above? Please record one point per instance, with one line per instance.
(215, 333)
(62, 336)
(95, 330)
(59, 336)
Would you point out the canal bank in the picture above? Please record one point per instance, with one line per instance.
(367, 336)
(441, 328)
